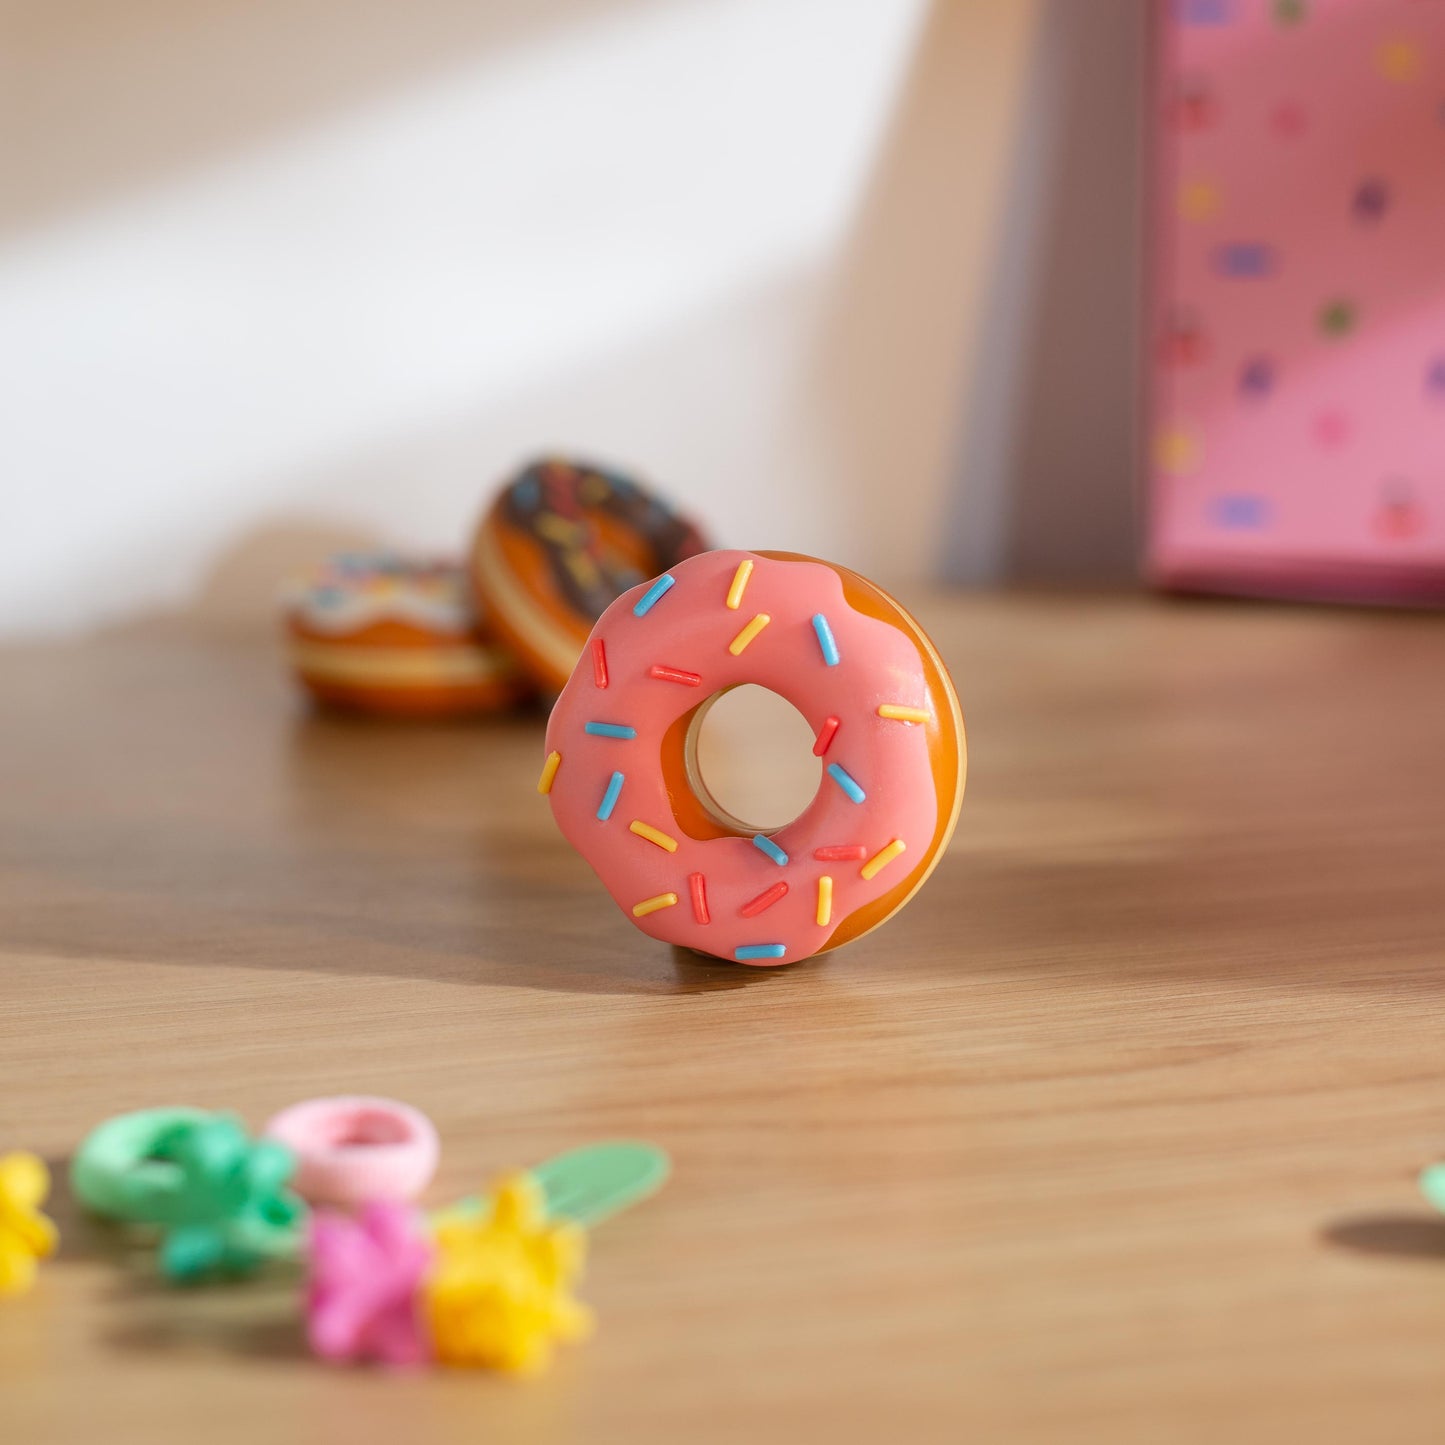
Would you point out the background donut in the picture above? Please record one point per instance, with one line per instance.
(385, 634)
(557, 546)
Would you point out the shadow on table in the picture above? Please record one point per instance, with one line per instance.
(1396, 1236)
(83, 1235)
(316, 843)
(194, 1331)
(256, 1317)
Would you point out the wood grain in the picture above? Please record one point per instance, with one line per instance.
(1108, 1137)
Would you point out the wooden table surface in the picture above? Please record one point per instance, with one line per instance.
(1109, 1137)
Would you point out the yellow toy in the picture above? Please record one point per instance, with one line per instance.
(499, 1294)
(26, 1235)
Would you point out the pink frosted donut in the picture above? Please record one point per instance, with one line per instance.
(621, 768)
(354, 1148)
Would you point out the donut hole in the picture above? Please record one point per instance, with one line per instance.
(750, 759)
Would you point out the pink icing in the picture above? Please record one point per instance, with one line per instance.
(690, 627)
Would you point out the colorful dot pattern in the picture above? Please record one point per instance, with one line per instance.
(1297, 424)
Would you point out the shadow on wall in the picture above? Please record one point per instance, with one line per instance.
(816, 403)
(827, 391)
(904, 336)
(246, 579)
(1045, 470)
(176, 81)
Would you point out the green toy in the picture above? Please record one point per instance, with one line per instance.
(219, 1196)
(1432, 1185)
(222, 1203)
(593, 1183)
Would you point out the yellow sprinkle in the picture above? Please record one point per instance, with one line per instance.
(882, 858)
(549, 771)
(558, 529)
(748, 633)
(651, 905)
(825, 901)
(653, 835)
(582, 567)
(740, 584)
(899, 713)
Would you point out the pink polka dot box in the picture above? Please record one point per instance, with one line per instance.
(1296, 367)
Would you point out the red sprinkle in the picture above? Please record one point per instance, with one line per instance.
(754, 906)
(675, 674)
(560, 480)
(825, 736)
(599, 662)
(844, 853)
(697, 886)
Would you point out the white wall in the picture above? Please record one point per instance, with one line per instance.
(737, 244)
(1047, 466)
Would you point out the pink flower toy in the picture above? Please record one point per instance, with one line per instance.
(365, 1280)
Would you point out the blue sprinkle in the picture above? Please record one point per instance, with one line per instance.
(770, 848)
(825, 639)
(610, 730)
(528, 492)
(645, 602)
(846, 781)
(760, 950)
(609, 798)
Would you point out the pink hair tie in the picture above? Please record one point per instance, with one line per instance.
(352, 1149)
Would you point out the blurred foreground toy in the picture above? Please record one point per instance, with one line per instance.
(557, 546)
(122, 1169)
(493, 1286)
(26, 1235)
(363, 1298)
(356, 1147)
(387, 634)
(621, 769)
(1432, 1185)
(500, 1295)
(488, 1282)
(219, 1196)
(590, 1184)
(234, 1210)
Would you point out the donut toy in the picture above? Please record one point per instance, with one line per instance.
(557, 546)
(355, 1148)
(621, 767)
(381, 633)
